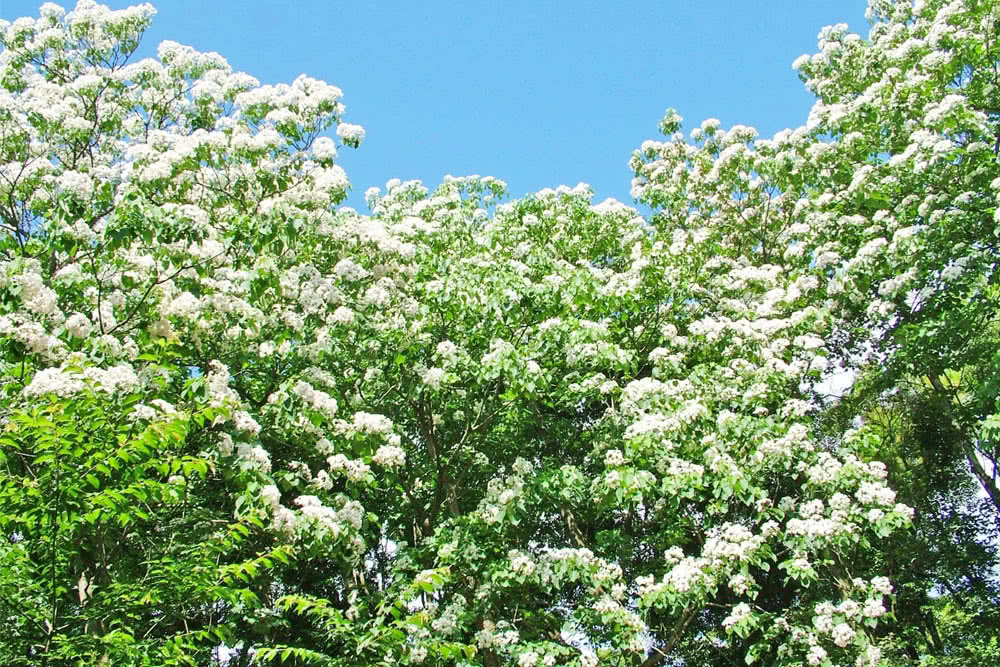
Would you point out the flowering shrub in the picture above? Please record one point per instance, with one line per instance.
(542, 431)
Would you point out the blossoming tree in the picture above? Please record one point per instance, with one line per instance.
(243, 423)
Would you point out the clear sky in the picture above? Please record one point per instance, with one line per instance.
(538, 93)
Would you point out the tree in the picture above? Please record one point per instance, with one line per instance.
(462, 429)
(887, 198)
(132, 521)
(945, 568)
(910, 185)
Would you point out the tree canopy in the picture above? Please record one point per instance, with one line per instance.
(240, 422)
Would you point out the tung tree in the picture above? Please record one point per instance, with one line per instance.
(243, 423)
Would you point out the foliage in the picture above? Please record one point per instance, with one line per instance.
(114, 535)
(243, 424)
(946, 567)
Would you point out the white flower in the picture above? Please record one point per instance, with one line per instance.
(882, 585)
(613, 457)
(740, 583)
(271, 495)
(324, 148)
(54, 381)
(257, 457)
(184, 305)
(389, 456)
(849, 608)
(739, 613)
(433, 377)
(352, 135)
(522, 467)
(527, 659)
(842, 634)
(816, 655)
(343, 315)
(143, 412)
(684, 575)
(78, 325)
(356, 471)
(350, 270)
(245, 422)
(521, 563)
(870, 658)
(873, 608)
(366, 422)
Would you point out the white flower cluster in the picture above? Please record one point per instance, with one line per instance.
(686, 574)
(351, 135)
(354, 469)
(730, 542)
(614, 457)
(740, 583)
(497, 635)
(255, 457)
(521, 564)
(366, 422)
(349, 270)
(389, 456)
(67, 381)
(322, 517)
(321, 401)
(501, 492)
(738, 615)
(158, 409)
(433, 377)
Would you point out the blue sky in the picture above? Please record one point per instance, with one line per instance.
(538, 93)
